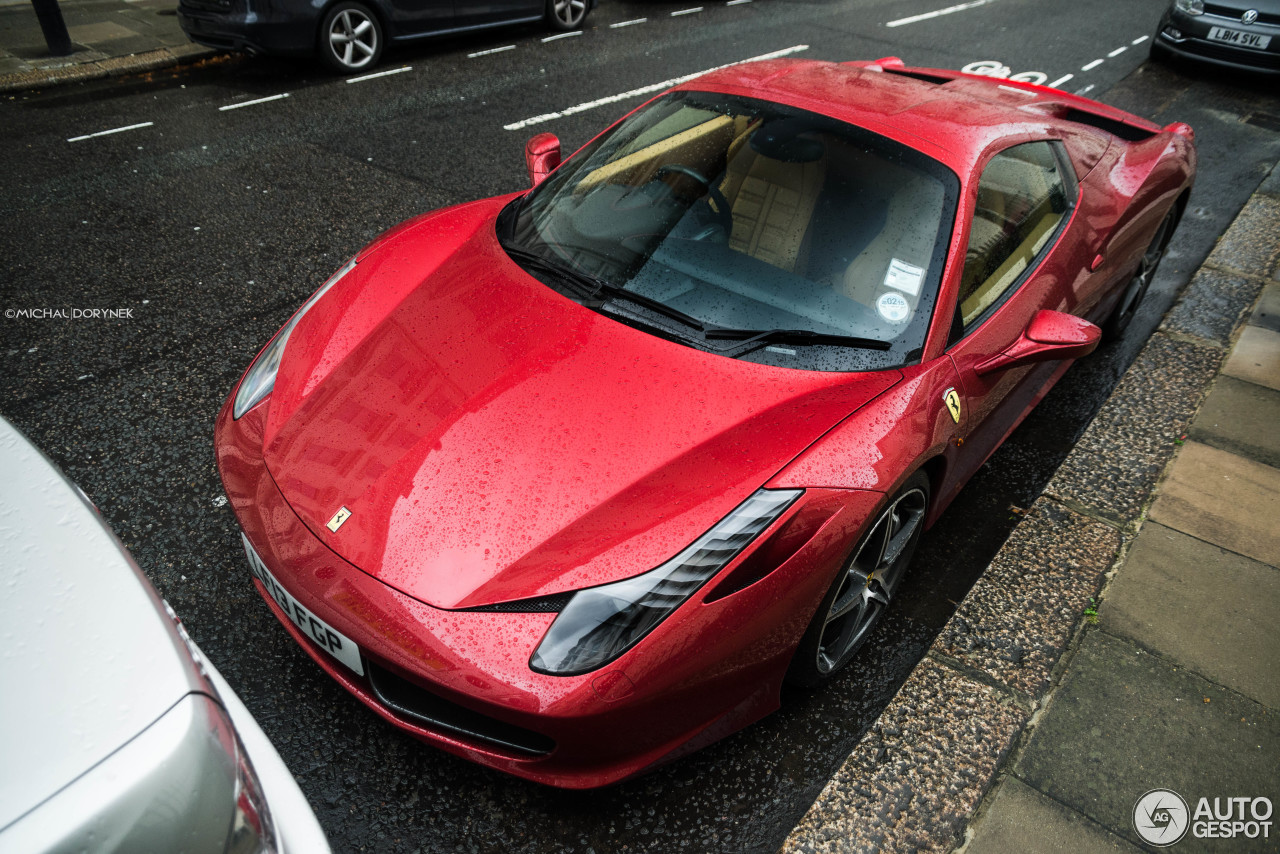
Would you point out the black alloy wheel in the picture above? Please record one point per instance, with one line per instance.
(1122, 315)
(863, 588)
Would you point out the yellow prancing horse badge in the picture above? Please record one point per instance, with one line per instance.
(951, 399)
(341, 516)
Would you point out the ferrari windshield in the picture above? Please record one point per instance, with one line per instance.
(749, 228)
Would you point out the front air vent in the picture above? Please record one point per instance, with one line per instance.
(416, 703)
(538, 605)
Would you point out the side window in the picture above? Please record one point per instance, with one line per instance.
(1021, 201)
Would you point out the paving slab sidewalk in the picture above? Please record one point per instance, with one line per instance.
(109, 38)
(1125, 637)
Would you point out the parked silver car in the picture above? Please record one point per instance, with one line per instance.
(116, 733)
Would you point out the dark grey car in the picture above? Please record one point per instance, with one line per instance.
(349, 35)
(1239, 34)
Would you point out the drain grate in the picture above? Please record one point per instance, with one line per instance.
(1263, 120)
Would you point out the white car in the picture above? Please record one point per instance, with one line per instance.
(116, 733)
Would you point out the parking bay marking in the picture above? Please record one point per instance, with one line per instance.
(491, 50)
(223, 109)
(643, 90)
(109, 132)
(376, 74)
(938, 14)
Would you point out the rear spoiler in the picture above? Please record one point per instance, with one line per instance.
(1053, 102)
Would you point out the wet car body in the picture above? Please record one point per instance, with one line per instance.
(1234, 34)
(118, 733)
(455, 453)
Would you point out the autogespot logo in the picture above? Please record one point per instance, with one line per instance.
(1160, 817)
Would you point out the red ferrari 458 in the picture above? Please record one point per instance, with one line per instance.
(570, 482)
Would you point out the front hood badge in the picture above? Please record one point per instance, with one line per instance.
(341, 516)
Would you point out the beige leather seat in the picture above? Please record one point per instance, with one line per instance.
(907, 238)
(773, 204)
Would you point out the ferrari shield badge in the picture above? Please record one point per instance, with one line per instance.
(950, 397)
(341, 516)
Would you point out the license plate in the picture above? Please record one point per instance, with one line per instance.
(1222, 34)
(326, 636)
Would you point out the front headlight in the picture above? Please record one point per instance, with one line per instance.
(601, 623)
(1190, 7)
(260, 379)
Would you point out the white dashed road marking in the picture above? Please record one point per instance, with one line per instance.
(559, 36)
(491, 50)
(1063, 79)
(400, 70)
(255, 101)
(1091, 65)
(1117, 51)
(938, 14)
(109, 132)
(695, 10)
(643, 90)
(630, 23)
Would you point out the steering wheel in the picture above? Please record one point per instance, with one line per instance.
(724, 215)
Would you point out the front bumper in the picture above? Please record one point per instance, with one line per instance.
(460, 680)
(1187, 37)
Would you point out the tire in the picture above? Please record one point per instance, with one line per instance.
(350, 38)
(863, 587)
(1134, 292)
(566, 15)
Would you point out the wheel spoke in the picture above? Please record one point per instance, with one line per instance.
(363, 27)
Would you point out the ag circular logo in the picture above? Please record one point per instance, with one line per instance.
(1161, 817)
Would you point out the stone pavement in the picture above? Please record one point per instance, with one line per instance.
(109, 37)
(1125, 637)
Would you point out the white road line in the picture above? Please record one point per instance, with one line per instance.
(251, 103)
(695, 10)
(644, 90)
(1085, 90)
(491, 50)
(109, 132)
(630, 23)
(380, 74)
(938, 14)
(1063, 79)
(1139, 40)
(736, 2)
(1117, 51)
(1091, 65)
(559, 36)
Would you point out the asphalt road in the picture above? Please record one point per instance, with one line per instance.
(214, 219)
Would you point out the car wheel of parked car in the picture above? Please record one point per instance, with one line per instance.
(1122, 315)
(565, 15)
(863, 588)
(351, 38)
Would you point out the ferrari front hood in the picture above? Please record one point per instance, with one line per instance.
(492, 440)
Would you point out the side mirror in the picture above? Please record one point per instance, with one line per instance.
(541, 155)
(1049, 336)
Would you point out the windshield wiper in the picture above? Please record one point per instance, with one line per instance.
(754, 339)
(595, 292)
(580, 284)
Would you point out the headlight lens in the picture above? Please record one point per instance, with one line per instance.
(1190, 7)
(601, 623)
(260, 379)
